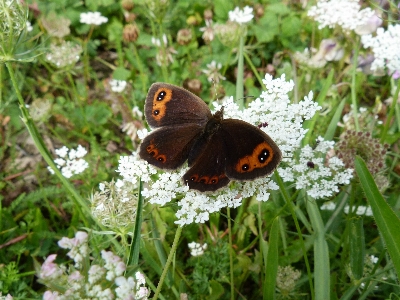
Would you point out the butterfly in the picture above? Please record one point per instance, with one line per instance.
(218, 150)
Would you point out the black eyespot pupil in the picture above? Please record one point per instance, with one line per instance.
(245, 167)
(202, 180)
(193, 178)
(156, 112)
(161, 96)
(213, 181)
(263, 156)
(160, 159)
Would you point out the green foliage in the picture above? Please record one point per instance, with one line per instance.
(331, 249)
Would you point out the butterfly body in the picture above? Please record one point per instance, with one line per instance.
(217, 149)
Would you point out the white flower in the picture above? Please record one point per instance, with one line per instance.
(117, 85)
(361, 210)
(29, 26)
(213, 72)
(241, 16)
(314, 174)
(63, 54)
(343, 13)
(78, 247)
(385, 46)
(328, 206)
(92, 18)
(197, 249)
(70, 162)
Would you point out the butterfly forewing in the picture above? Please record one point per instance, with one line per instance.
(168, 105)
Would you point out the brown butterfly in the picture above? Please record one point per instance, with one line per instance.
(218, 150)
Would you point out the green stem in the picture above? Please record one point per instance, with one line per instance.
(239, 78)
(391, 113)
(26, 118)
(353, 86)
(254, 69)
(285, 195)
(169, 260)
(231, 253)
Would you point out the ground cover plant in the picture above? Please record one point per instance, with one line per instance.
(83, 216)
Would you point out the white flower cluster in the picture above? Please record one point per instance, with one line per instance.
(313, 173)
(92, 18)
(70, 162)
(344, 13)
(213, 72)
(284, 127)
(385, 46)
(64, 54)
(89, 282)
(197, 249)
(117, 85)
(115, 205)
(241, 16)
(361, 210)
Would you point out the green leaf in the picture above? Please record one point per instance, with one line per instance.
(267, 28)
(135, 246)
(388, 222)
(357, 247)
(330, 132)
(216, 290)
(121, 73)
(271, 268)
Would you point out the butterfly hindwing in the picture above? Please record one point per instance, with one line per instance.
(168, 147)
(252, 153)
(168, 105)
(207, 165)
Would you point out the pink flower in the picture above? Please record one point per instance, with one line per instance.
(49, 269)
(48, 295)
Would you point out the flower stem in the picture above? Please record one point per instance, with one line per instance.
(353, 87)
(231, 254)
(26, 118)
(285, 195)
(239, 79)
(169, 260)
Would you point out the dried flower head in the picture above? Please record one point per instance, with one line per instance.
(115, 205)
(354, 143)
(286, 279)
(64, 54)
(213, 72)
(208, 31)
(130, 33)
(56, 25)
(184, 36)
(229, 33)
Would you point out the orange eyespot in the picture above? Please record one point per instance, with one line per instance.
(161, 97)
(261, 156)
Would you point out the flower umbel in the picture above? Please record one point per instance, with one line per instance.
(64, 54)
(98, 278)
(93, 18)
(70, 162)
(241, 16)
(346, 14)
